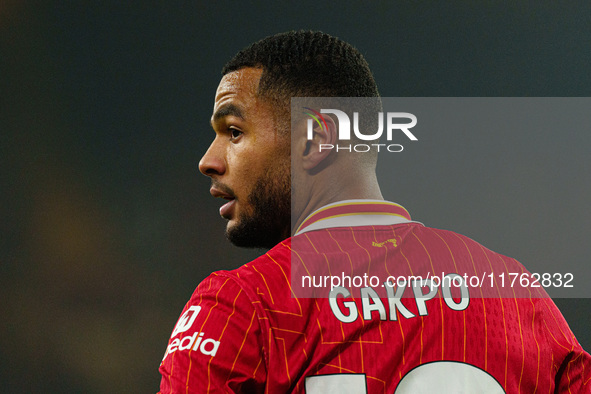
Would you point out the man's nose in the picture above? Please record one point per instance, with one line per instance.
(212, 162)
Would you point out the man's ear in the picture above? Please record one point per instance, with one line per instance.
(321, 145)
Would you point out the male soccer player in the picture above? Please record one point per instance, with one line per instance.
(249, 330)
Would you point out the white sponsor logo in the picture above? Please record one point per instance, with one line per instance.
(207, 346)
(186, 320)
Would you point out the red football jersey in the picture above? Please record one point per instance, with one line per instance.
(282, 323)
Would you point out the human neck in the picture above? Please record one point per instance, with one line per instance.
(334, 190)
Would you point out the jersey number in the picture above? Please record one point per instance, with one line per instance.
(445, 377)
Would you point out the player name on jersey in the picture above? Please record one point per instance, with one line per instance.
(371, 301)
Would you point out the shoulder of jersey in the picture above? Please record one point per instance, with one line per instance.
(447, 235)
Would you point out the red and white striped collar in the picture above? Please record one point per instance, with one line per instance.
(350, 213)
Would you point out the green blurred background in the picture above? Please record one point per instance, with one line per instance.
(107, 225)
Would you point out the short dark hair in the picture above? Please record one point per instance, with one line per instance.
(310, 64)
(306, 64)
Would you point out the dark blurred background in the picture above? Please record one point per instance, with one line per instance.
(107, 225)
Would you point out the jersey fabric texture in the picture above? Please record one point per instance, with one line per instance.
(247, 331)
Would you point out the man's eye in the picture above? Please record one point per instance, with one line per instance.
(235, 133)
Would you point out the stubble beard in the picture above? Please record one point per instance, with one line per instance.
(269, 222)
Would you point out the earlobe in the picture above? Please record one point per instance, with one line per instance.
(320, 146)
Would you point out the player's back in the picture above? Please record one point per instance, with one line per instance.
(277, 325)
(430, 336)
